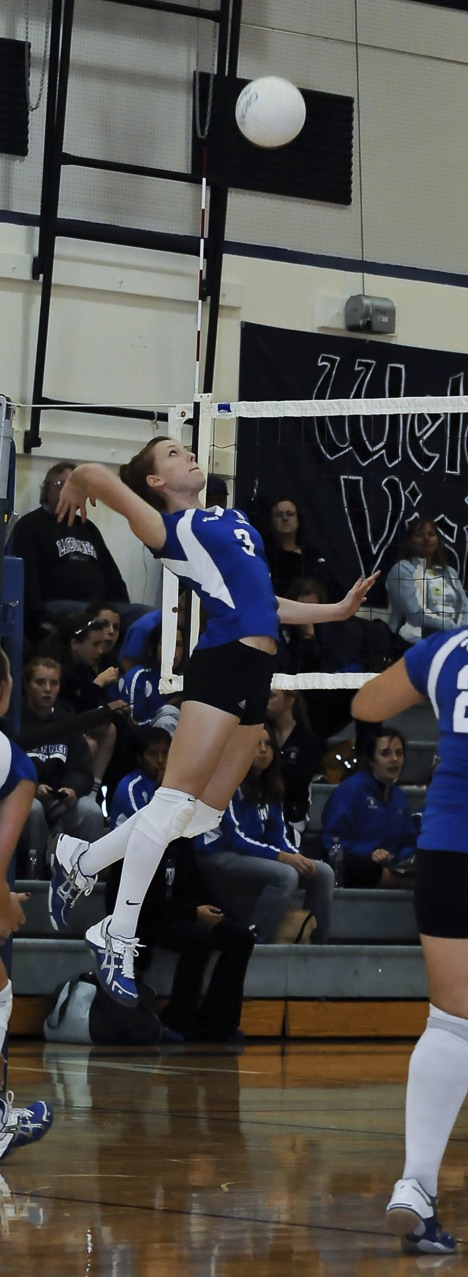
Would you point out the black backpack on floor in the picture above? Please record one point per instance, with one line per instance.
(84, 1013)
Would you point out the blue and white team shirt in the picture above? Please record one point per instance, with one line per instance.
(133, 792)
(15, 765)
(438, 668)
(221, 556)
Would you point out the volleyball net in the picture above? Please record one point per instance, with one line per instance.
(360, 472)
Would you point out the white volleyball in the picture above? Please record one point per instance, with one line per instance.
(270, 111)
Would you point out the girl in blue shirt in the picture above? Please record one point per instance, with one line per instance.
(436, 667)
(226, 685)
(370, 816)
(252, 854)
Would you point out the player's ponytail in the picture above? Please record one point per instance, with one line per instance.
(134, 473)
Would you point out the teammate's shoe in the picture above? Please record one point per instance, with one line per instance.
(412, 1215)
(22, 1126)
(114, 962)
(68, 883)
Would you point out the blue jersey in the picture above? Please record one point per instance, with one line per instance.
(136, 637)
(139, 688)
(438, 668)
(363, 818)
(249, 828)
(133, 792)
(15, 765)
(221, 556)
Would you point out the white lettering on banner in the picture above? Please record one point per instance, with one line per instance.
(412, 439)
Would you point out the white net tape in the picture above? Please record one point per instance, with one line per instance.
(410, 405)
(170, 684)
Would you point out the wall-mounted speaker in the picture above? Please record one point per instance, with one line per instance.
(14, 112)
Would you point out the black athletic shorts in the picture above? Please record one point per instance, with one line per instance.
(441, 893)
(233, 677)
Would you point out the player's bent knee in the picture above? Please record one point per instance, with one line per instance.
(204, 820)
(167, 815)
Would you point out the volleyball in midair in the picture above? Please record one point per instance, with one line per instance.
(270, 111)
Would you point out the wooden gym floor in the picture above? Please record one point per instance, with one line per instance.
(194, 1162)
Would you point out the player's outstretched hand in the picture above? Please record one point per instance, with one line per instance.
(73, 498)
(356, 596)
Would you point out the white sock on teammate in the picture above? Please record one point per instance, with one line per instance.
(437, 1087)
(6, 1004)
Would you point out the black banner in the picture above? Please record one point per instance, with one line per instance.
(358, 481)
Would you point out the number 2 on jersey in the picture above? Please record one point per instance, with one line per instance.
(460, 719)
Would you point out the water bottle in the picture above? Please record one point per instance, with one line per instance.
(169, 875)
(336, 858)
(33, 864)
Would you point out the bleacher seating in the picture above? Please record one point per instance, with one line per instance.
(373, 952)
(373, 955)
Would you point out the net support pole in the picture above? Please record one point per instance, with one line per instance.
(6, 457)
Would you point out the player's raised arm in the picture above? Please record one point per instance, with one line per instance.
(389, 693)
(93, 482)
(292, 612)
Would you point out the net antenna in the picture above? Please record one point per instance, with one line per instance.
(406, 407)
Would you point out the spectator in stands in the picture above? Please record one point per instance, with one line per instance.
(64, 568)
(85, 685)
(64, 766)
(287, 552)
(424, 593)
(135, 790)
(175, 916)
(358, 645)
(370, 817)
(139, 687)
(299, 749)
(134, 642)
(133, 647)
(110, 634)
(321, 649)
(251, 853)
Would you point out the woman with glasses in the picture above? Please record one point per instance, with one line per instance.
(63, 568)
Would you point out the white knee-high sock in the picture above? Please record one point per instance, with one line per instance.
(6, 1003)
(164, 819)
(106, 850)
(437, 1087)
(112, 846)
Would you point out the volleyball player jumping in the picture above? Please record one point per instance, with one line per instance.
(436, 667)
(226, 685)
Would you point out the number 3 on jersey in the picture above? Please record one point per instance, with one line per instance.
(460, 717)
(248, 546)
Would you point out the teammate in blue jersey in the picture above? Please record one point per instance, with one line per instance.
(226, 685)
(18, 782)
(436, 667)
